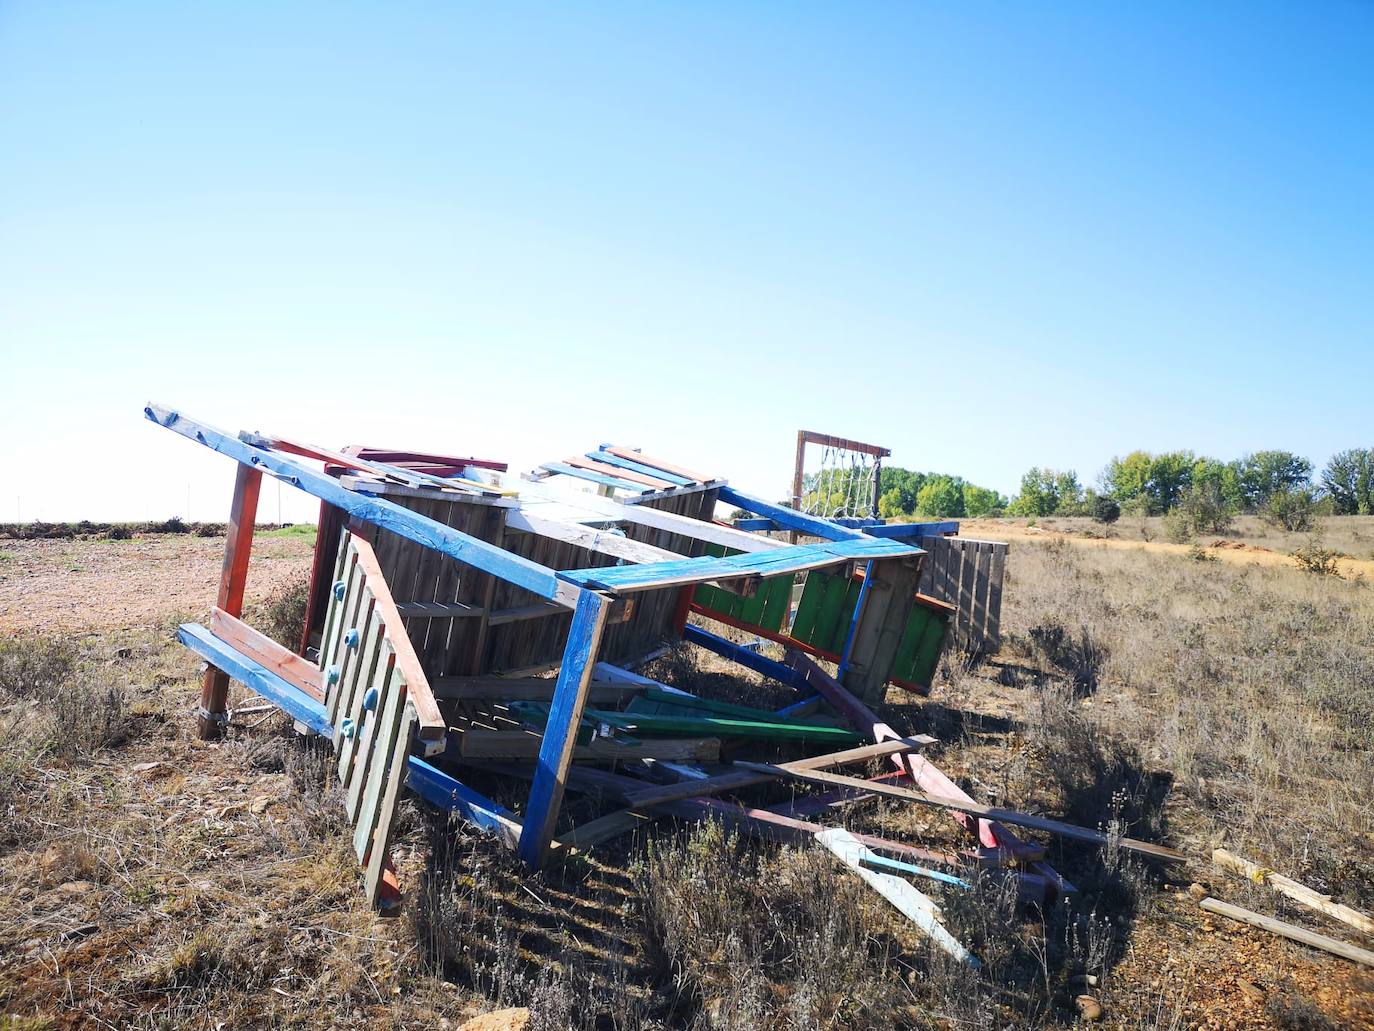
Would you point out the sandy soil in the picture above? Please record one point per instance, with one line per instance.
(75, 586)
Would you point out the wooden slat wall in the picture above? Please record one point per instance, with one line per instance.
(968, 575)
(468, 646)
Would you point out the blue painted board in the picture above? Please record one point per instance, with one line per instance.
(451, 795)
(788, 518)
(913, 529)
(744, 657)
(593, 476)
(256, 677)
(565, 715)
(774, 562)
(477, 553)
(606, 458)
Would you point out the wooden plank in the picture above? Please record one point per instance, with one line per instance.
(602, 542)
(697, 529)
(738, 779)
(365, 791)
(904, 896)
(508, 744)
(924, 773)
(386, 808)
(293, 668)
(1301, 893)
(555, 753)
(500, 617)
(601, 479)
(332, 631)
(978, 614)
(995, 576)
(238, 545)
(432, 725)
(388, 515)
(607, 458)
(657, 463)
(385, 682)
(355, 685)
(890, 594)
(437, 610)
(337, 696)
(1040, 823)
(1290, 931)
(621, 473)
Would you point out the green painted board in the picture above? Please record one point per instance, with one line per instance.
(767, 608)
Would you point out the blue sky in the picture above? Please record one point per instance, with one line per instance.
(986, 236)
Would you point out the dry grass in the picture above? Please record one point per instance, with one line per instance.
(155, 881)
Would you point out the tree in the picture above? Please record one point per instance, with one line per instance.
(1293, 510)
(980, 501)
(941, 498)
(1039, 496)
(1348, 480)
(1104, 509)
(1171, 474)
(1266, 473)
(1223, 476)
(1127, 479)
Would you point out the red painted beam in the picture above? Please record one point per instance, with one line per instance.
(214, 688)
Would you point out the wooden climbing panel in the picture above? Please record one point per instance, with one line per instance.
(375, 696)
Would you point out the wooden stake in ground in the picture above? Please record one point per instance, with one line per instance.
(1309, 897)
(1292, 931)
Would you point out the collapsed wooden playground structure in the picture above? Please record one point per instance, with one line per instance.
(445, 589)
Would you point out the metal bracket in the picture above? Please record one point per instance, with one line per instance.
(221, 718)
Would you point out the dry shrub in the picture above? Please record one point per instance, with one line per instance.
(283, 613)
(766, 939)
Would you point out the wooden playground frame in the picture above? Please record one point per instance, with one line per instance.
(377, 695)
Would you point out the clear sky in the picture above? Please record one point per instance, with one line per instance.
(986, 236)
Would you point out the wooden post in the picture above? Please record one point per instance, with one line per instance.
(797, 480)
(560, 731)
(214, 689)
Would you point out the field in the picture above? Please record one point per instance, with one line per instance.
(157, 881)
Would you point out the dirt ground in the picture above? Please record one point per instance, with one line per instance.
(168, 882)
(90, 586)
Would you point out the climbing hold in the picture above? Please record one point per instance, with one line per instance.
(331, 675)
(347, 728)
(351, 638)
(370, 699)
(339, 589)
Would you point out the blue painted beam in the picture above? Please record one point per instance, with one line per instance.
(451, 795)
(606, 458)
(257, 678)
(755, 525)
(743, 657)
(432, 534)
(592, 476)
(787, 518)
(560, 732)
(773, 562)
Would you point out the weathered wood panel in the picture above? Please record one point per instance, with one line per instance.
(968, 575)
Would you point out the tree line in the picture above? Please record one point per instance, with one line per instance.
(1277, 484)
(1142, 483)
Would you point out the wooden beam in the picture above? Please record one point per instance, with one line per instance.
(1290, 931)
(293, 668)
(238, 545)
(738, 779)
(518, 744)
(480, 554)
(430, 721)
(620, 472)
(1309, 897)
(560, 736)
(1039, 823)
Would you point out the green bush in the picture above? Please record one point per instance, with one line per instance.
(1291, 510)
(1105, 509)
